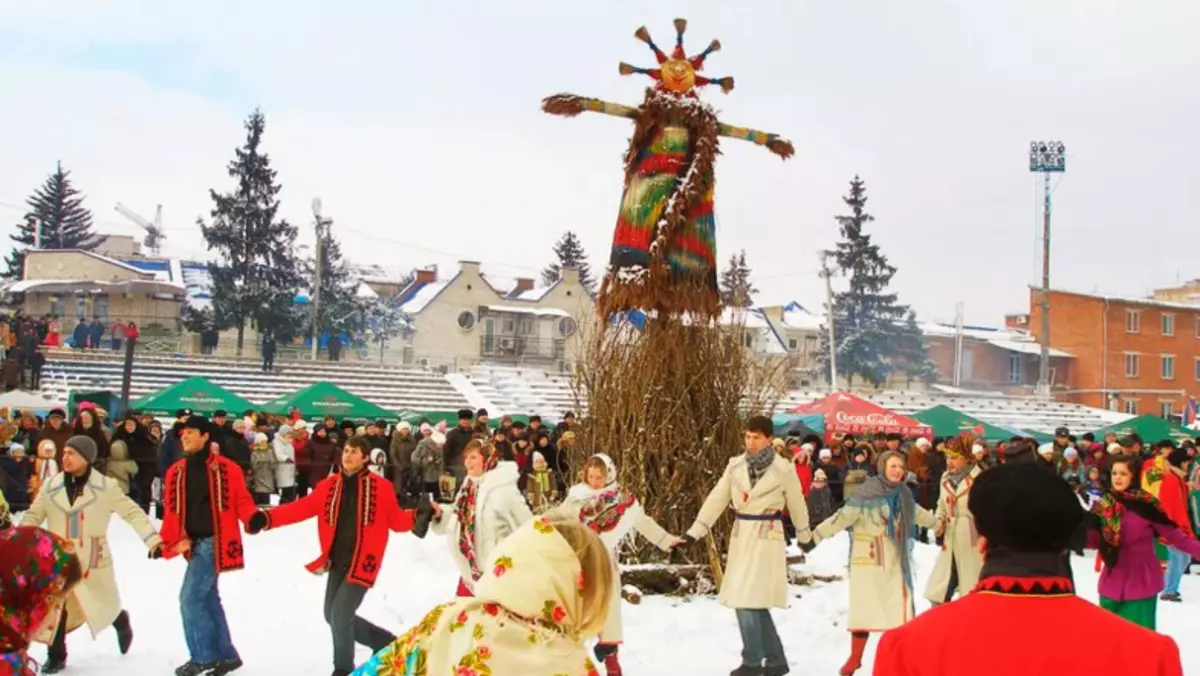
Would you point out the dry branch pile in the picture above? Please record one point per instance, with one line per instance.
(668, 404)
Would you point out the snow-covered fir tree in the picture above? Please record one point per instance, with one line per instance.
(876, 335)
(737, 289)
(255, 276)
(569, 254)
(339, 286)
(57, 209)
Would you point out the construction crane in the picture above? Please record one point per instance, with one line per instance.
(154, 231)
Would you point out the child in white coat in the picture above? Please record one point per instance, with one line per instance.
(613, 513)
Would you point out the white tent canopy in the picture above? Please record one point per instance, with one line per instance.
(19, 400)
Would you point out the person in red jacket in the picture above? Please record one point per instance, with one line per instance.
(1025, 517)
(356, 510)
(205, 496)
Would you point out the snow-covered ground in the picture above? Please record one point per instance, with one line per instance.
(274, 609)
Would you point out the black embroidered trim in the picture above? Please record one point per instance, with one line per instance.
(1026, 586)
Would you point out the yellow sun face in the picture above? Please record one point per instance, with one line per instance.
(678, 76)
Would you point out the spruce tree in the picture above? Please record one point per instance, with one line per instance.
(875, 334)
(339, 286)
(255, 276)
(570, 254)
(737, 289)
(57, 209)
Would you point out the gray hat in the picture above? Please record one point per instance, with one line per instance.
(83, 446)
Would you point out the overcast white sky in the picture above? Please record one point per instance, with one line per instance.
(418, 125)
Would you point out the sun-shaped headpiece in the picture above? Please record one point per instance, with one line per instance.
(677, 73)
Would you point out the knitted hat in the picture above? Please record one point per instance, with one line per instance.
(819, 475)
(1046, 449)
(261, 438)
(1070, 453)
(83, 446)
(1024, 508)
(404, 426)
(426, 428)
(825, 454)
(922, 442)
(538, 457)
(284, 429)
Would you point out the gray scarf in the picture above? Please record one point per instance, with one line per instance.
(758, 462)
(956, 478)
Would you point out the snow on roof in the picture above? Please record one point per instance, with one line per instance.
(364, 291)
(539, 311)
(1125, 299)
(535, 294)
(106, 259)
(1026, 347)
(424, 296)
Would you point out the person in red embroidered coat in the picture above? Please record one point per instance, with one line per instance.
(1025, 517)
(205, 496)
(356, 509)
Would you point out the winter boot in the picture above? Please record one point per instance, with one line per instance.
(53, 665)
(124, 632)
(227, 666)
(858, 644)
(196, 669)
(778, 670)
(611, 666)
(341, 672)
(747, 670)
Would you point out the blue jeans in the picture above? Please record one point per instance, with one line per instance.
(1177, 562)
(204, 624)
(760, 641)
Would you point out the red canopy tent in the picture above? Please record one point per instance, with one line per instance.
(847, 414)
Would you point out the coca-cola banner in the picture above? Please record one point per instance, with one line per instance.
(847, 414)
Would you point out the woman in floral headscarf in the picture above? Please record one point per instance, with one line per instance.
(487, 509)
(959, 562)
(36, 572)
(600, 503)
(546, 591)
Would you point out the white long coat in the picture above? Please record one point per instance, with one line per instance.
(633, 519)
(95, 600)
(285, 462)
(756, 572)
(880, 599)
(500, 509)
(960, 548)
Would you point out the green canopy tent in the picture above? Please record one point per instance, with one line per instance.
(414, 418)
(326, 399)
(200, 395)
(947, 422)
(1040, 437)
(1150, 428)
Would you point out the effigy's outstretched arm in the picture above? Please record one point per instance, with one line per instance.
(570, 105)
(773, 142)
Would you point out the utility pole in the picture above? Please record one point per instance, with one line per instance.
(958, 343)
(1046, 157)
(316, 295)
(37, 232)
(827, 274)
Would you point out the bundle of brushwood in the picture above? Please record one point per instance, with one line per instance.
(668, 402)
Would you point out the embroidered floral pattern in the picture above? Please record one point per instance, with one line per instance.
(464, 507)
(553, 613)
(502, 566)
(543, 526)
(604, 511)
(474, 663)
(459, 622)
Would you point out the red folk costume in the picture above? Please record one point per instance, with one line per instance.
(378, 513)
(931, 644)
(231, 503)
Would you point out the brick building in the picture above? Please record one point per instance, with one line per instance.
(992, 359)
(1131, 354)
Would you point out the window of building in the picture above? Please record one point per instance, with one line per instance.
(1014, 369)
(793, 343)
(1168, 367)
(1133, 321)
(466, 320)
(1168, 324)
(1197, 368)
(1131, 365)
(1166, 409)
(1131, 406)
(567, 326)
(748, 339)
(1198, 327)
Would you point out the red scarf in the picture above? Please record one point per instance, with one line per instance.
(465, 508)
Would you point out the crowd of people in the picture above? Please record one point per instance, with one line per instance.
(535, 543)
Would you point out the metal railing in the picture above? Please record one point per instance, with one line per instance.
(522, 347)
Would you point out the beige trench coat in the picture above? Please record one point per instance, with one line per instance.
(960, 549)
(880, 599)
(95, 600)
(756, 571)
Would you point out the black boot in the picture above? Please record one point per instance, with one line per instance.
(227, 666)
(124, 632)
(341, 672)
(53, 665)
(196, 669)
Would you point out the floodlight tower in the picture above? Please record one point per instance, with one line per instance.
(1046, 158)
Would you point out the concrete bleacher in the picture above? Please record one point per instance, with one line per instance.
(1024, 413)
(525, 390)
(391, 387)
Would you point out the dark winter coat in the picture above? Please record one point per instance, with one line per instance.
(237, 449)
(456, 441)
(171, 450)
(820, 504)
(58, 436)
(400, 454)
(14, 481)
(322, 459)
(142, 448)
